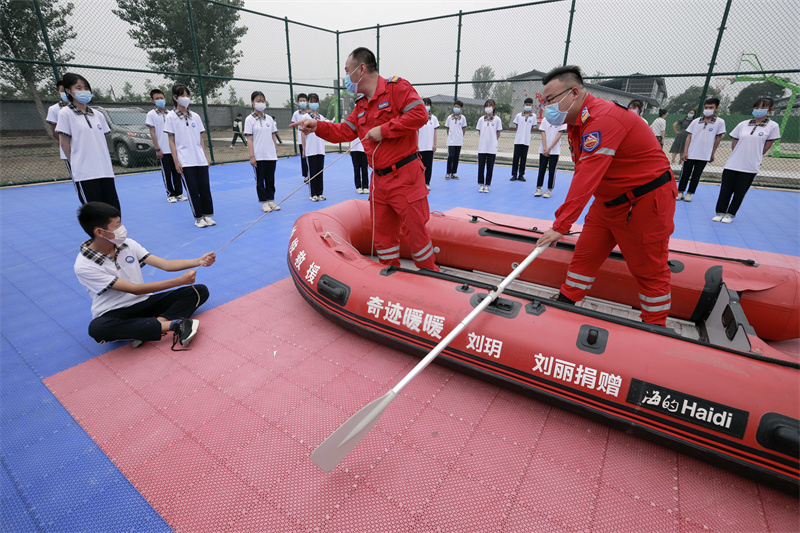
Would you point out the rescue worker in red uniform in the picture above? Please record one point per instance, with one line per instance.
(618, 161)
(386, 117)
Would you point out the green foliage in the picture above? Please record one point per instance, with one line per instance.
(21, 38)
(743, 103)
(236, 100)
(503, 92)
(690, 98)
(161, 27)
(482, 90)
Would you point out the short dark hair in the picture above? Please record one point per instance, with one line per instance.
(313, 96)
(427, 101)
(662, 112)
(93, 215)
(528, 101)
(459, 103)
(155, 92)
(239, 115)
(255, 94)
(764, 100)
(59, 83)
(178, 89)
(70, 79)
(714, 101)
(636, 103)
(569, 73)
(364, 55)
(302, 95)
(490, 101)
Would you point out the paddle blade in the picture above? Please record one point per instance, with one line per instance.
(333, 449)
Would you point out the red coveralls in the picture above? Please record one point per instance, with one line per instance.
(614, 151)
(399, 198)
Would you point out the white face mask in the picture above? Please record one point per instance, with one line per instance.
(260, 106)
(120, 234)
(488, 110)
(184, 101)
(708, 112)
(526, 108)
(428, 108)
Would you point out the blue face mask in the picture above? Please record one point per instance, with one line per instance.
(64, 97)
(759, 113)
(302, 105)
(160, 103)
(456, 110)
(350, 85)
(554, 115)
(314, 106)
(83, 97)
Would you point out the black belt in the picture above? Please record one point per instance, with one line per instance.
(402, 162)
(641, 190)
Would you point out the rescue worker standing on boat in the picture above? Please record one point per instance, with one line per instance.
(618, 161)
(386, 117)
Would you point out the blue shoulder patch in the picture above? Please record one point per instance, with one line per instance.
(622, 106)
(393, 79)
(383, 104)
(359, 96)
(590, 141)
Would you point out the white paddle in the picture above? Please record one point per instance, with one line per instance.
(333, 449)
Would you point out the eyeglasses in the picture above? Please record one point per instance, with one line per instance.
(549, 100)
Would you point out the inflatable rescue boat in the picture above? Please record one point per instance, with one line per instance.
(708, 381)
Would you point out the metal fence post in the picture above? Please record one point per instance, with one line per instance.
(378, 47)
(458, 55)
(200, 80)
(338, 88)
(714, 55)
(291, 86)
(46, 39)
(569, 31)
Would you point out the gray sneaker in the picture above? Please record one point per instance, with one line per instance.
(184, 332)
(547, 193)
(538, 192)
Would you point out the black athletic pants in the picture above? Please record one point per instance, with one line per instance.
(453, 153)
(98, 190)
(139, 321)
(195, 180)
(265, 180)
(315, 164)
(303, 162)
(360, 170)
(693, 168)
(520, 158)
(172, 180)
(734, 184)
(239, 135)
(427, 160)
(544, 162)
(486, 160)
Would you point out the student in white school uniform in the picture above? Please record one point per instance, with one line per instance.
(704, 135)
(185, 131)
(523, 123)
(549, 152)
(426, 142)
(637, 106)
(297, 116)
(751, 140)
(360, 166)
(52, 118)
(155, 120)
(315, 152)
(263, 148)
(489, 126)
(456, 125)
(82, 135)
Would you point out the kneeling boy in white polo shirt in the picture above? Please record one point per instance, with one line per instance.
(109, 265)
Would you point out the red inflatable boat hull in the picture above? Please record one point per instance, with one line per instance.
(738, 404)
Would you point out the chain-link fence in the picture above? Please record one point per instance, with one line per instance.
(670, 54)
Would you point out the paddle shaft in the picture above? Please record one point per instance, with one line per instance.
(460, 327)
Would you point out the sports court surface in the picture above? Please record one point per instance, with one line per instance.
(218, 438)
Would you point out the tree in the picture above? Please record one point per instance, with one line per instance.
(503, 91)
(235, 100)
(743, 103)
(689, 99)
(482, 74)
(128, 95)
(161, 27)
(21, 38)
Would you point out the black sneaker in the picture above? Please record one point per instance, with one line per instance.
(185, 331)
(521, 179)
(513, 178)
(454, 177)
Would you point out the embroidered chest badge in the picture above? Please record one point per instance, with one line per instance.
(590, 141)
(361, 114)
(585, 114)
(383, 105)
(129, 259)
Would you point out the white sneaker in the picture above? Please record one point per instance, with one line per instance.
(181, 198)
(453, 176)
(321, 198)
(680, 196)
(171, 199)
(200, 222)
(547, 193)
(274, 206)
(266, 207)
(314, 199)
(447, 176)
(209, 221)
(359, 191)
(687, 197)
(480, 189)
(538, 192)
(719, 217)
(485, 188)
(728, 218)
